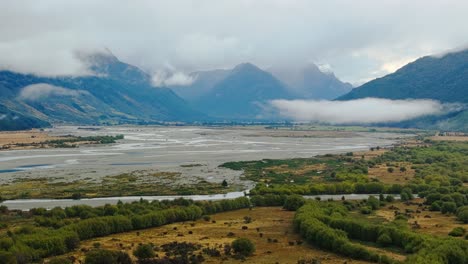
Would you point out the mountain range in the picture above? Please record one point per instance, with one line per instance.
(117, 93)
(243, 93)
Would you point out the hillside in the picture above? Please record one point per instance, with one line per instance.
(309, 82)
(443, 78)
(118, 93)
(242, 94)
(440, 78)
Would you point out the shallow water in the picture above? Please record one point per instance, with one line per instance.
(27, 204)
(170, 148)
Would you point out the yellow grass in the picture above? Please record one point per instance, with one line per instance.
(434, 223)
(273, 223)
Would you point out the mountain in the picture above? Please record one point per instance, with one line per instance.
(242, 94)
(10, 120)
(117, 93)
(310, 82)
(203, 82)
(443, 78)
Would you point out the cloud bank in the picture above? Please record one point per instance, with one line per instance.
(360, 111)
(360, 39)
(40, 91)
(166, 78)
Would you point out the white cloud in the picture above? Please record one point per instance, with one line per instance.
(362, 111)
(40, 91)
(3, 116)
(164, 78)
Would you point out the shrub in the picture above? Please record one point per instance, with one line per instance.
(457, 232)
(462, 214)
(448, 207)
(384, 240)
(243, 246)
(144, 251)
(389, 198)
(293, 202)
(60, 260)
(366, 210)
(102, 256)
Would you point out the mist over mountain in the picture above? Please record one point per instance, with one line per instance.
(116, 93)
(443, 78)
(309, 82)
(204, 81)
(242, 94)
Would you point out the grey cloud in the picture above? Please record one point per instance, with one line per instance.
(166, 78)
(40, 91)
(360, 39)
(362, 111)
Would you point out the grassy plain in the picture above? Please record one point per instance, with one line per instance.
(273, 223)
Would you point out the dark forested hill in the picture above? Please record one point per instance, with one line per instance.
(442, 78)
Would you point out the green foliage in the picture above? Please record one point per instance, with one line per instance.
(60, 260)
(38, 242)
(144, 251)
(384, 239)
(457, 231)
(102, 256)
(448, 207)
(319, 224)
(462, 214)
(243, 246)
(293, 202)
(373, 202)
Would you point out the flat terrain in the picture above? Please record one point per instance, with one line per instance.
(14, 140)
(274, 224)
(421, 219)
(449, 138)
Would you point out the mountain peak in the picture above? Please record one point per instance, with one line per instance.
(246, 66)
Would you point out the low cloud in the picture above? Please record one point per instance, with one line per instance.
(167, 78)
(361, 111)
(40, 91)
(3, 116)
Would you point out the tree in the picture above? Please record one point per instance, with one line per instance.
(243, 247)
(448, 207)
(224, 183)
(144, 251)
(406, 194)
(384, 240)
(389, 198)
(293, 202)
(100, 256)
(373, 203)
(462, 214)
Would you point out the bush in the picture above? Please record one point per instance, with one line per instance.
(373, 203)
(384, 240)
(457, 232)
(102, 256)
(389, 198)
(144, 251)
(462, 214)
(293, 202)
(60, 260)
(448, 207)
(366, 210)
(243, 246)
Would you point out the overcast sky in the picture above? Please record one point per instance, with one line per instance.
(358, 40)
